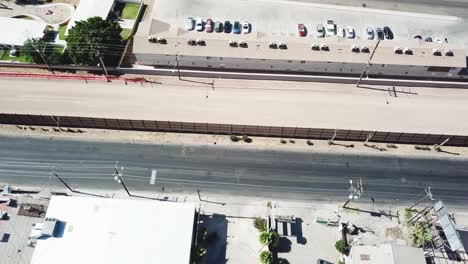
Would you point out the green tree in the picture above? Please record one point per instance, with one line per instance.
(31, 49)
(340, 245)
(260, 224)
(270, 238)
(95, 37)
(266, 257)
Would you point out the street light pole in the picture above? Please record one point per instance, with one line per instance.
(177, 65)
(103, 65)
(43, 59)
(428, 195)
(364, 70)
(118, 178)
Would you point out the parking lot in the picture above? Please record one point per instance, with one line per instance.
(280, 18)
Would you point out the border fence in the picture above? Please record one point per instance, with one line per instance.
(232, 129)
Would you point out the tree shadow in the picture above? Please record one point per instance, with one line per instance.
(216, 239)
(284, 245)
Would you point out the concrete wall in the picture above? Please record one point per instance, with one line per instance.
(294, 65)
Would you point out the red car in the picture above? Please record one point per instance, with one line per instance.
(209, 25)
(302, 30)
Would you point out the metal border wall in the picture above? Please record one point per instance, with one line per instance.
(228, 129)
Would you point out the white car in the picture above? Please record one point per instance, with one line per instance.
(438, 40)
(370, 33)
(320, 31)
(199, 24)
(331, 28)
(350, 32)
(340, 32)
(190, 24)
(245, 27)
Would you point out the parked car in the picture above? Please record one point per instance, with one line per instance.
(370, 33)
(438, 40)
(199, 24)
(388, 32)
(380, 34)
(218, 26)
(236, 28)
(227, 27)
(341, 32)
(418, 37)
(321, 261)
(350, 32)
(428, 39)
(245, 27)
(320, 31)
(331, 28)
(189, 24)
(3, 215)
(302, 30)
(209, 25)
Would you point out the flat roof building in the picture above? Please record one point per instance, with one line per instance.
(116, 231)
(387, 254)
(15, 31)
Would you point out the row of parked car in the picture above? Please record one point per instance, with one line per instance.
(331, 29)
(429, 39)
(210, 26)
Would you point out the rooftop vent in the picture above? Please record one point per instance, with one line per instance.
(243, 44)
(273, 45)
(315, 47)
(365, 49)
(398, 50)
(152, 39)
(408, 51)
(448, 53)
(161, 40)
(232, 43)
(324, 47)
(436, 52)
(282, 45)
(354, 48)
(192, 42)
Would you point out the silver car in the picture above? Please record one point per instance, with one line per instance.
(370, 33)
(320, 31)
(190, 24)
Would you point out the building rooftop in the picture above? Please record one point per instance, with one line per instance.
(117, 231)
(90, 8)
(258, 47)
(387, 254)
(15, 31)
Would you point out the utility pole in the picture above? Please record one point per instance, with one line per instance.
(364, 70)
(102, 64)
(43, 59)
(428, 195)
(64, 183)
(355, 192)
(177, 65)
(118, 177)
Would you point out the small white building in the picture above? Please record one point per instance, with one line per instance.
(90, 8)
(15, 31)
(386, 254)
(117, 231)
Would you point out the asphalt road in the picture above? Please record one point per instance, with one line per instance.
(295, 175)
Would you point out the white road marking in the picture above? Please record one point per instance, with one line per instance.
(153, 176)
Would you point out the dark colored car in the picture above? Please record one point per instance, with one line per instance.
(218, 27)
(388, 32)
(428, 39)
(236, 28)
(227, 27)
(418, 37)
(380, 34)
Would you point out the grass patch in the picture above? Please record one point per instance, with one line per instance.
(19, 58)
(130, 11)
(125, 34)
(62, 30)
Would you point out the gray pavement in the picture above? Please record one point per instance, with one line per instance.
(214, 169)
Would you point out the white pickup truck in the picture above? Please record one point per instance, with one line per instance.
(331, 28)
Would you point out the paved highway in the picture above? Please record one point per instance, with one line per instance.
(296, 175)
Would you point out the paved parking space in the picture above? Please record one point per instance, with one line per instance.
(280, 18)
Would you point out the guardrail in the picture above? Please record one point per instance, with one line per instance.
(230, 129)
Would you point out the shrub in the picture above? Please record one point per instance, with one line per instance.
(266, 257)
(270, 238)
(420, 235)
(392, 146)
(421, 147)
(234, 138)
(340, 245)
(292, 141)
(246, 139)
(283, 141)
(260, 224)
(310, 143)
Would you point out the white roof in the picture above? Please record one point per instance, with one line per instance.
(90, 8)
(15, 31)
(117, 231)
(387, 254)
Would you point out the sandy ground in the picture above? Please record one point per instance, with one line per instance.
(252, 102)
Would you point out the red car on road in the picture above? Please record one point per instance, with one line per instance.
(302, 30)
(209, 25)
